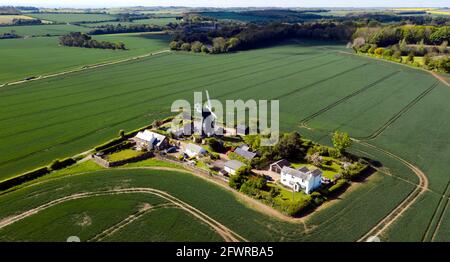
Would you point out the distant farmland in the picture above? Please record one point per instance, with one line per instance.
(320, 88)
(71, 18)
(43, 55)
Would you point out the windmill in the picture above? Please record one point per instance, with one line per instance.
(209, 117)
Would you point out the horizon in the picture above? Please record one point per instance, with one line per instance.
(228, 4)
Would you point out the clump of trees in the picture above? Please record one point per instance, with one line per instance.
(119, 29)
(78, 39)
(9, 35)
(19, 21)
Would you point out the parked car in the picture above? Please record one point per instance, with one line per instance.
(172, 149)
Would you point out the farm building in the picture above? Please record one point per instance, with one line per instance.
(244, 151)
(302, 178)
(277, 166)
(150, 140)
(193, 150)
(232, 166)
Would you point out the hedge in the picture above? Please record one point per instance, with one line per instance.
(60, 164)
(24, 178)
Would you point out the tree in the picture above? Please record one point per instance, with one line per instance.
(289, 146)
(186, 47)
(426, 59)
(387, 53)
(443, 47)
(174, 45)
(122, 133)
(204, 49)
(379, 51)
(196, 47)
(315, 159)
(397, 55)
(233, 43)
(410, 57)
(403, 46)
(219, 45)
(341, 141)
(241, 176)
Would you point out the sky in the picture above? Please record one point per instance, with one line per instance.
(229, 3)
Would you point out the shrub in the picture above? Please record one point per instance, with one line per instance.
(388, 53)
(379, 51)
(174, 45)
(196, 47)
(204, 49)
(340, 184)
(215, 144)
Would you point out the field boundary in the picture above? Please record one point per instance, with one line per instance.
(434, 74)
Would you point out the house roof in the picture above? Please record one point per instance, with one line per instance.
(245, 154)
(234, 164)
(303, 169)
(295, 172)
(281, 163)
(151, 137)
(195, 148)
(316, 172)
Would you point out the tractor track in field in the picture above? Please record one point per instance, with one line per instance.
(401, 208)
(305, 120)
(321, 81)
(395, 117)
(84, 68)
(127, 221)
(439, 216)
(227, 234)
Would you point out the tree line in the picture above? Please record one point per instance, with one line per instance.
(9, 35)
(119, 28)
(77, 39)
(234, 37)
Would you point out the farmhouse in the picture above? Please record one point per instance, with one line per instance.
(302, 178)
(232, 166)
(277, 166)
(244, 151)
(193, 150)
(150, 140)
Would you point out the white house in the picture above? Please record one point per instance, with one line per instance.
(303, 178)
(232, 166)
(193, 150)
(151, 140)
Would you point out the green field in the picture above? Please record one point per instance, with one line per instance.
(89, 216)
(72, 18)
(151, 21)
(42, 30)
(396, 108)
(43, 55)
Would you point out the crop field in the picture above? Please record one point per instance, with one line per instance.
(43, 55)
(320, 88)
(42, 30)
(88, 217)
(151, 21)
(7, 19)
(72, 18)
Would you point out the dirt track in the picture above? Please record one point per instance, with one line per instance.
(227, 234)
(396, 213)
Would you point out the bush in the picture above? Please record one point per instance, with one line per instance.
(174, 45)
(214, 156)
(387, 53)
(204, 49)
(215, 144)
(196, 47)
(379, 51)
(340, 184)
